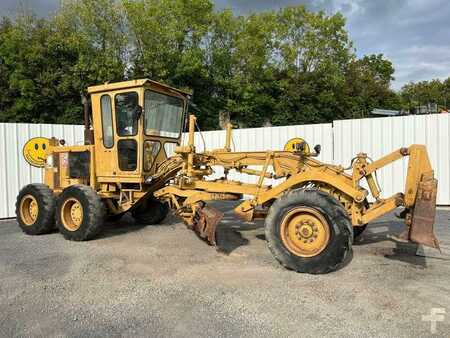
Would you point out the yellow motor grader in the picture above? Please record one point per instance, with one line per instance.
(126, 165)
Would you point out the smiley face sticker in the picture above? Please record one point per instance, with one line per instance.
(35, 151)
(296, 144)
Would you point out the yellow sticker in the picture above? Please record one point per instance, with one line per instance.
(35, 151)
(294, 145)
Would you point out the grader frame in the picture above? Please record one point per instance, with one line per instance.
(311, 213)
(298, 169)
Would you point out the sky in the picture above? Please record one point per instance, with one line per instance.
(413, 34)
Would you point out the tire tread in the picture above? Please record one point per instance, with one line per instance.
(94, 209)
(335, 212)
(46, 201)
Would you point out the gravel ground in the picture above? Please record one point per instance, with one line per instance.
(163, 281)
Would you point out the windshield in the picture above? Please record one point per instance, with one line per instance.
(163, 114)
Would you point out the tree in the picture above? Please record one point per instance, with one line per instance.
(289, 66)
(426, 92)
(247, 89)
(6, 95)
(167, 35)
(313, 51)
(93, 34)
(33, 68)
(167, 42)
(368, 86)
(52, 61)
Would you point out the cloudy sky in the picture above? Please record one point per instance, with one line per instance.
(413, 34)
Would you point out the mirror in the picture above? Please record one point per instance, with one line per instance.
(317, 148)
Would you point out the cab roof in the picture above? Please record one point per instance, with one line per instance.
(132, 84)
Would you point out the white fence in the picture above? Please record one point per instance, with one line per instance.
(15, 172)
(340, 142)
(379, 136)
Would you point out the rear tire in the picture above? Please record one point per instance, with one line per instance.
(35, 209)
(309, 231)
(150, 212)
(80, 213)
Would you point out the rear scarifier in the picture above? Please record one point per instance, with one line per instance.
(79, 225)
(338, 247)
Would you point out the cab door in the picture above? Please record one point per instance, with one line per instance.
(127, 113)
(104, 134)
(116, 125)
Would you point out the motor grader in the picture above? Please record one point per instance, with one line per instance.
(133, 161)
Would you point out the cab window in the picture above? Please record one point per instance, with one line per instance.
(151, 151)
(127, 108)
(163, 114)
(127, 152)
(107, 125)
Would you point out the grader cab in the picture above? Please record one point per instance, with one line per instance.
(133, 161)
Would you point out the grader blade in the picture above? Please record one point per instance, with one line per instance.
(421, 230)
(205, 223)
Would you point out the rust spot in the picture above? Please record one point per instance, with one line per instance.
(205, 223)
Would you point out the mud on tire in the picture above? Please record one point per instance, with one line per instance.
(93, 213)
(339, 246)
(44, 222)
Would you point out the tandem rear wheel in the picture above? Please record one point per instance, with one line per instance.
(35, 209)
(80, 213)
(309, 231)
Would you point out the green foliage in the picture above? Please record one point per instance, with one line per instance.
(367, 86)
(425, 92)
(281, 67)
(32, 71)
(49, 63)
(314, 53)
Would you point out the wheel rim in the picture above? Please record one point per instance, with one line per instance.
(305, 232)
(29, 210)
(72, 214)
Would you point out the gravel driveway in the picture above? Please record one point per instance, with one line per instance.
(163, 281)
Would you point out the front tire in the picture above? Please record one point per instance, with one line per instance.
(35, 209)
(150, 211)
(115, 218)
(358, 230)
(309, 231)
(80, 213)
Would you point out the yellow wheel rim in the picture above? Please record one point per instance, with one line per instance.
(29, 210)
(72, 214)
(305, 232)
